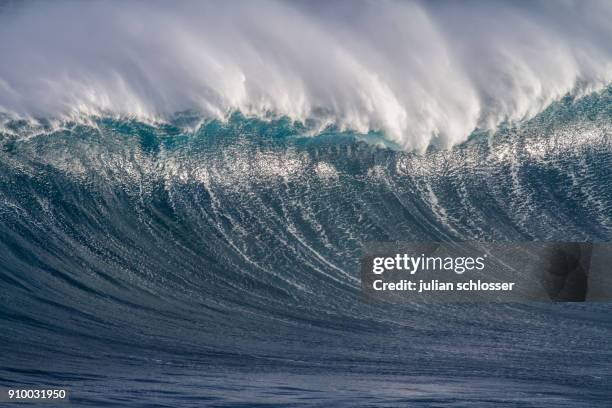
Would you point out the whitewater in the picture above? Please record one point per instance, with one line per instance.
(424, 73)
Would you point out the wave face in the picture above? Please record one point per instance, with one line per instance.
(153, 266)
(423, 73)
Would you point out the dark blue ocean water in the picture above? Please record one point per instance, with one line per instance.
(157, 266)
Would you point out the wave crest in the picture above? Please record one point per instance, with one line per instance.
(421, 73)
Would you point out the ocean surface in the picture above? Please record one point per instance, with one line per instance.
(199, 262)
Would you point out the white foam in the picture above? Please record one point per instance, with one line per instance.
(421, 72)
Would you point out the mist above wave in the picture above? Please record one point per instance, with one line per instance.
(421, 72)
